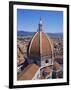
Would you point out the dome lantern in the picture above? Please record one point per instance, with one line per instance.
(40, 25)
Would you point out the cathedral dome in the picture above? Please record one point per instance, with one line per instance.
(40, 44)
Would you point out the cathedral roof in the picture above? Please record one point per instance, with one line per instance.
(40, 44)
(29, 72)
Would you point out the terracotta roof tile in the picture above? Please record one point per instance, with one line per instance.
(56, 66)
(29, 72)
(35, 45)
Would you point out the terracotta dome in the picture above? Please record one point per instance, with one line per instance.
(40, 44)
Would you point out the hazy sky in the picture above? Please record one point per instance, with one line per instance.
(27, 20)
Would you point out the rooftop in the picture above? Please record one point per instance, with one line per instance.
(29, 72)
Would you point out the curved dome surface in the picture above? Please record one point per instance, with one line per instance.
(40, 45)
(34, 46)
(46, 45)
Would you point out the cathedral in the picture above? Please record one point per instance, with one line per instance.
(39, 56)
(40, 51)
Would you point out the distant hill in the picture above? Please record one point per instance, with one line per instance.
(25, 33)
(56, 35)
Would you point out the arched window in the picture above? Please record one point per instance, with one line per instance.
(46, 61)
